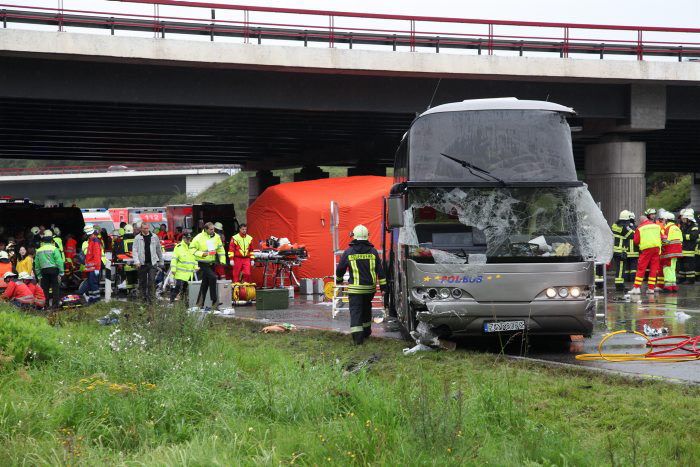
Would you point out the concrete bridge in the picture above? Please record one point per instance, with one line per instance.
(272, 100)
(78, 182)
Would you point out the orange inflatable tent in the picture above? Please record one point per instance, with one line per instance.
(301, 212)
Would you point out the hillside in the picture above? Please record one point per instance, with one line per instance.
(671, 192)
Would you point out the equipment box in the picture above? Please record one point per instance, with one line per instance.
(306, 287)
(272, 299)
(223, 292)
(319, 287)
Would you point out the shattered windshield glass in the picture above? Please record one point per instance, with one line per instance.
(497, 225)
(513, 145)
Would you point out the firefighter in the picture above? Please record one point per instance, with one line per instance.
(49, 268)
(129, 270)
(208, 250)
(690, 237)
(648, 238)
(241, 254)
(621, 233)
(632, 253)
(16, 292)
(365, 271)
(93, 263)
(183, 265)
(37, 292)
(671, 250)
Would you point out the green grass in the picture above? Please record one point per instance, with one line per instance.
(672, 195)
(198, 394)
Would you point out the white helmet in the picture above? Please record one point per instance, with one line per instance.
(670, 216)
(128, 229)
(56, 230)
(8, 274)
(690, 212)
(360, 232)
(625, 215)
(4, 255)
(24, 276)
(89, 229)
(48, 233)
(34, 230)
(218, 226)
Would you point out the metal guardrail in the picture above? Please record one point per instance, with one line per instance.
(100, 168)
(422, 32)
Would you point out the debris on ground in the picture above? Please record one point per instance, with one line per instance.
(352, 367)
(653, 332)
(417, 348)
(279, 328)
(681, 317)
(110, 318)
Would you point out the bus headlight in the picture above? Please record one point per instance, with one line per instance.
(457, 293)
(444, 293)
(575, 292)
(563, 292)
(551, 293)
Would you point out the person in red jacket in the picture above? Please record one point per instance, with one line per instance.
(241, 254)
(69, 252)
(38, 292)
(17, 293)
(93, 263)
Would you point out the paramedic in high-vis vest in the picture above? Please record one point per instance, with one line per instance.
(366, 272)
(241, 254)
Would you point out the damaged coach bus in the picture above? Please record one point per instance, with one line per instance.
(490, 229)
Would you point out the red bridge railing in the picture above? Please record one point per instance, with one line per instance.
(335, 28)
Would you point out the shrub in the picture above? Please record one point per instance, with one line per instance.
(27, 338)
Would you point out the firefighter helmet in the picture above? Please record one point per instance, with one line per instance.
(650, 211)
(218, 226)
(4, 255)
(8, 274)
(34, 230)
(128, 229)
(56, 231)
(89, 229)
(48, 233)
(360, 232)
(24, 276)
(625, 215)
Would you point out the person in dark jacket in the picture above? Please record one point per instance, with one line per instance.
(365, 272)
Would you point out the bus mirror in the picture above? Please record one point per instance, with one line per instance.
(395, 211)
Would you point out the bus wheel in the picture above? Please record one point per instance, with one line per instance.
(409, 324)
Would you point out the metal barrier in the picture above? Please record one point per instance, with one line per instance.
(395, 31)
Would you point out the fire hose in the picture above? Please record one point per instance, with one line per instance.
(660, 350)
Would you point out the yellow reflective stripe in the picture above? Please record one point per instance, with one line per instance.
(355, 273)
(382, 281)
(372, 271)
(356, 329)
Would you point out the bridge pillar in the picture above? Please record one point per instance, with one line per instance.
(615, 173)
(310, 172)
(364, 169)
(695, 193)
(259, 183)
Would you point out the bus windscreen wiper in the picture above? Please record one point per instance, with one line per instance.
(471, 168)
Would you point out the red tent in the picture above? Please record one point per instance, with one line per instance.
(301, 212)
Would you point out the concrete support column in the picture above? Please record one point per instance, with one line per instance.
(367, 170)
(615, 173)
(259, 183)
(695, 193)
(310, 172)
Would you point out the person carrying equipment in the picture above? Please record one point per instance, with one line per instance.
(241, 254)
(365, 272)
(183, 265)
(17, 293)
(648, 237)
(49, 268)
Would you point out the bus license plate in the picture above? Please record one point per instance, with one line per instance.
(504, 326)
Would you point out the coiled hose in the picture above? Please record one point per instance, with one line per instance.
(659, 350)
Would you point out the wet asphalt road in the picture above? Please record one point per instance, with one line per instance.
(680, 313)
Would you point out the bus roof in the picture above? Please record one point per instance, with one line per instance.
(501, 103)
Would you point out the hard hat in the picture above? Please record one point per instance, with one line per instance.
(8, 274)
(89, 229)
(360, 232)
(669, 216)
(218, 226)
(690, 212)
(625, 215)
(4, 255)
(56, 230)
(632, 215)
(48, 233)
(187, 234)
(24, 276)
(128, 229)
(34, 230)
(650, 211)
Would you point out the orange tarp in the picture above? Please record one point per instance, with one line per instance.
(301, 212)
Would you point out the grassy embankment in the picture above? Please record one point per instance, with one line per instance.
(230, 395)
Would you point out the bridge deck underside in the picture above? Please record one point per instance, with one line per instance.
(256, 138)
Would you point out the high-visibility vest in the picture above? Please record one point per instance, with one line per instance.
(243, 244)
(184, 263)
(129, 248)
(59, 245)
(649, 236)
(203, 244)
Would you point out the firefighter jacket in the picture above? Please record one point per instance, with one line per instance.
(70, 250)
(184, 262)
(632, 248)
(93, 255)
(128, 249)
(690, 238)
(84, 247)
(239, 247)
(48, 257)
(18, 291)
(671, 241)
(38, 292)
(648, 235)
(622, 233)
(365, 268)
(208, 249)
(4, 267)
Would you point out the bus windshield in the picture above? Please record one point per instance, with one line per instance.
(496, 225)
(512, 145)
